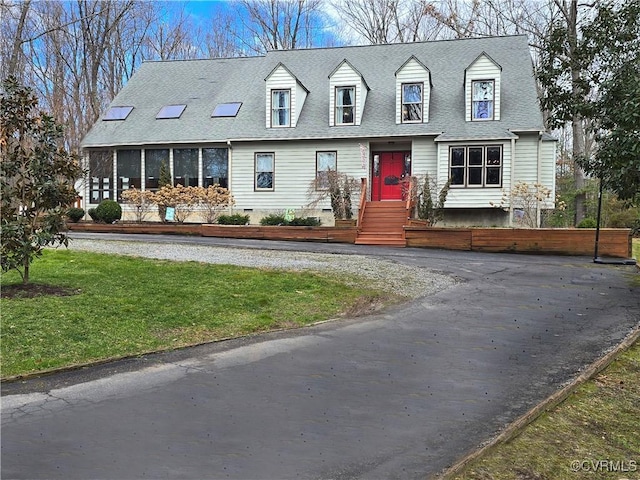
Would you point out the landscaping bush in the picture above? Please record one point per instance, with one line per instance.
(109, 211)
(305, 222)
(93, 214)
(624, 219)
(75, 214)
(587, 223)
(235, 219)
(275, 219)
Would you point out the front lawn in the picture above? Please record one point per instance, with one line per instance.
(118, 306)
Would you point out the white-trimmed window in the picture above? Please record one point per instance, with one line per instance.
(482, 99)
(345, 105)
(475, 166)
(412, 102)
(264, 171)
(326, 162)
(280, 108)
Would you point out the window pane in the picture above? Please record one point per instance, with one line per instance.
(325, 162)
(475, 176)
(457, 176)
(280, 108)
(483, 90)
(493, 155)
(185, 167)
(457, 157)
(493, 176)
(345, 105)
(100, 175)
(475, 156)
(412, 93)
(128, 172)
(483, 109)
(153, 160)
(215, 166)
(264, 170)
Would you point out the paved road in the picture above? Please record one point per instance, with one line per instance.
(400, 394)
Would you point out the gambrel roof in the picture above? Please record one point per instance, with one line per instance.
(203, 84)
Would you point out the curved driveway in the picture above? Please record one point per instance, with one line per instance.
(400, 394)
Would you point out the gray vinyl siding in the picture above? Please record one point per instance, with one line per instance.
(295, 169)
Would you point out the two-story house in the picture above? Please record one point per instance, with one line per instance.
(265, 127)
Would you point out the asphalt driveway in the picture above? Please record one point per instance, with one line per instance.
(400, 394)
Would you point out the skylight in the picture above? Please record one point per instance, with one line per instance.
(171, 111)
(226, 109)
(117, 113)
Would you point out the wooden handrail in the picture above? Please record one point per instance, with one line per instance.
(410, 196)
(363, 200)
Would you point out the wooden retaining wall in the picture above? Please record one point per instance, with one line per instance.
(613, 242)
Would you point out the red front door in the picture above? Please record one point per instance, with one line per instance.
(387, 176)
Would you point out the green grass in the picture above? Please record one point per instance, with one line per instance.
(598, 423)
(128, 306)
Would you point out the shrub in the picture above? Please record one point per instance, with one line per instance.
(141, 200)
(279, 219)
(587, 223)
(273, 219)
(235, 219)
(624, 219)
(214, 199)
(305, 222)
(109, 211)
(75, 214)
(93, 214)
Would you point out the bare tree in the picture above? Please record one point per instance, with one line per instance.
(278, 24)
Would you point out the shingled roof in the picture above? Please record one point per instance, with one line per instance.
(202, 84)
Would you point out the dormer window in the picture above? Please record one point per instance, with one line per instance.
(281, 108)
(412, 102)
(345, 105)
(482, 80)
(482, 102)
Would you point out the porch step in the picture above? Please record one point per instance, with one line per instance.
(383, 224)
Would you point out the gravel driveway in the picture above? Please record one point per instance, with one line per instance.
(382, 274)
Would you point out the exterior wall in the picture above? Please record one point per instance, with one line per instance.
(424, 157)
(294, 171)
(345, 76)
(482, 69)
(548, 165)
(413, 72)
(281, 79)
(475, 197)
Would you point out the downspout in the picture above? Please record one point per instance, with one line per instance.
(513, 177)
(229, 170)
(539, 180)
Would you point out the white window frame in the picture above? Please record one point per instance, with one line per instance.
(340, 107)
(321, 179)
(405, 103)
(257, 172)
(277, 109)
(478, 97)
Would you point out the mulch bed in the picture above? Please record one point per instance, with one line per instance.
(32, 290)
